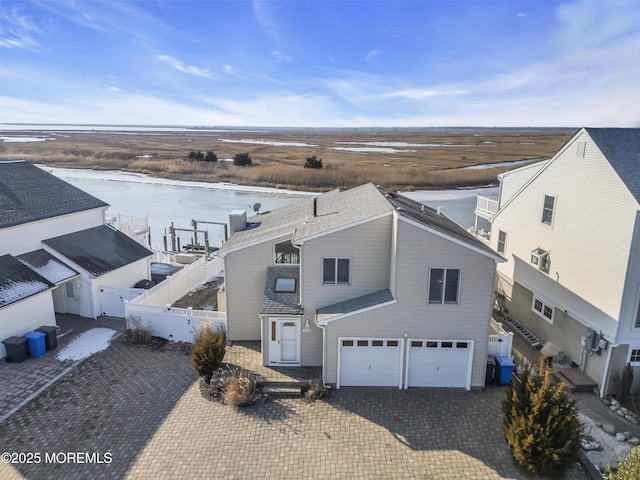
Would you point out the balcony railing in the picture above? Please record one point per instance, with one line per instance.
(486, 206)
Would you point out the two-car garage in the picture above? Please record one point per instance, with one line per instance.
(404, 363)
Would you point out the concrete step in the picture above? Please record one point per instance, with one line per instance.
(574, 379)
(282, 389)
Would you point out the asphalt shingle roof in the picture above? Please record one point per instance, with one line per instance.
(284, 303)
(354, 304)
(98, 250)
(621, 147)
(29, 194)
(17, 281)
(51, 268)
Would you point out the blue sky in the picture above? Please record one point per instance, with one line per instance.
(321, 63)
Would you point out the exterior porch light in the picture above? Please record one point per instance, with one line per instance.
(306, 328)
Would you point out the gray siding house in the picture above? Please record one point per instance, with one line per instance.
(377, 289)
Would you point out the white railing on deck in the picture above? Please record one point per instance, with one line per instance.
(177, 324)
(486, 205)
(500, 341)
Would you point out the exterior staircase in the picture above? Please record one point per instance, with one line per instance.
(574, 379)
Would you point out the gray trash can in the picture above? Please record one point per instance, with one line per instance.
(490, 376)
(17, 351)
(50, 336)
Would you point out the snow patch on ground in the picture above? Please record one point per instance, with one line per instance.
(369, 149)
(24, 139)
(613, 451)
(444, 195)
(264, 142)
(86, 344)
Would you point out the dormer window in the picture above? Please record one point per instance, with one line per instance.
(286, 285)
(286, 253)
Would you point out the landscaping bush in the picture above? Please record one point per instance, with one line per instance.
(629, 468)
(315, 390)
(208, 350)
(541, 422)
(239, 388)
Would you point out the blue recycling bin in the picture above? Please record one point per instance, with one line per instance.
(504, 370)
(36, 344)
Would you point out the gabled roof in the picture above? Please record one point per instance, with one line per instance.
(353, 305)
(334, 209)
(17, 281)
(29, 194)
(341, 209)
(621, 147)
(431, 219)
(51, 268)
(284, 303)
(99, 250)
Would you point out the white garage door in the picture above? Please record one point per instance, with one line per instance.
(369, 362)
(439, 363)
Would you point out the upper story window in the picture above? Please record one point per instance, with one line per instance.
(638, 316)
(444, 285)
(285, 284)
(547, 209)
(335, 270)
(542, 309)
(285, 252)
(502, 241)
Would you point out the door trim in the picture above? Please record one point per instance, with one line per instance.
(274, 345)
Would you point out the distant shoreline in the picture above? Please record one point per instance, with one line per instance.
(403, 159)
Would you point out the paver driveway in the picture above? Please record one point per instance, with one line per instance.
(143, 408)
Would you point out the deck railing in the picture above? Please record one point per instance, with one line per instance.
(486, 206)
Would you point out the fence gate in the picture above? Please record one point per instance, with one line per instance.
(112, 299)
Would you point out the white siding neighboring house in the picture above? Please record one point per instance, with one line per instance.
(56, 251)
(570, 230)
(375, 288)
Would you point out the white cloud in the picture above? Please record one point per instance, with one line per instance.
(17, 30)
(265, 14)
(113, 89)
(183, 67)
(418, 93)
(281, 57)
(372, 56)
(521, 14)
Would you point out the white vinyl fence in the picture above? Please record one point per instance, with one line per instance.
(178, 324)
(112, 299)
(152, 309)
(501, 342)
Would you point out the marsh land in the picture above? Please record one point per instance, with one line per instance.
(399, 159)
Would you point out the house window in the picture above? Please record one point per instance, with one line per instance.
(502, 240)
(634, 357)
(638, 315)
(285, 284)
(285, 252)
(444, 285)
(335, 270)
(547, 209)
(542, 309)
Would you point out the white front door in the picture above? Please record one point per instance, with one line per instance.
(284, 341)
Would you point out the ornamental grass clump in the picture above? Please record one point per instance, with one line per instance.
(239, 388)
(208, 350)
(541, 422)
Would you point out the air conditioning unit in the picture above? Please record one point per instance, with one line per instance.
(540, 258)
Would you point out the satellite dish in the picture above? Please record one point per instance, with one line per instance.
(256, 207)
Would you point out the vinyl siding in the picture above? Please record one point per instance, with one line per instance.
(631, 298)
(593, 205)
(417, 251)
(368, 246)
(245, 274)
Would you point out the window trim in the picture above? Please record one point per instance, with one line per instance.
(503, 242)
(335, 271)
(634, 363)
(443, 294)
(275, 262)
(545, 209)
(543, 306)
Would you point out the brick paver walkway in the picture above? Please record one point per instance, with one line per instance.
(139, 411)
